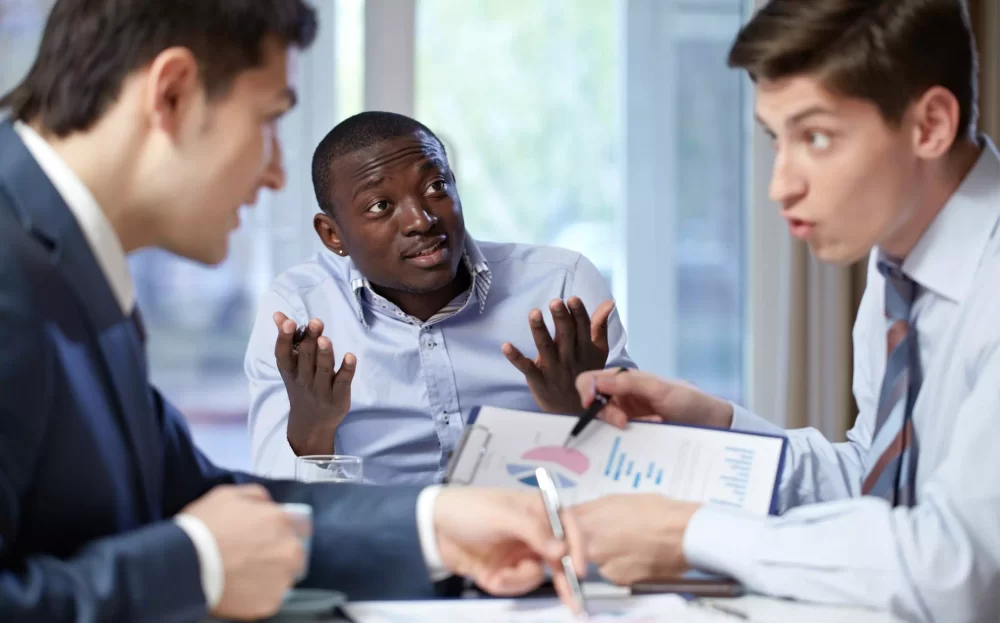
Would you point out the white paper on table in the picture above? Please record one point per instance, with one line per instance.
(729, 468)
(642, 609)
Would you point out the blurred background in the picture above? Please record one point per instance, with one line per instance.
(610, 127)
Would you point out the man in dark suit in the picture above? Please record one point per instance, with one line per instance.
(148, 123)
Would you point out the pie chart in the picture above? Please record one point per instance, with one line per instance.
(564, 463)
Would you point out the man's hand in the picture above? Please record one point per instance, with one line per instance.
(502, 539)
(319, 398)
(581, 344)
(261, 554)
(640, 396)
(636, 537)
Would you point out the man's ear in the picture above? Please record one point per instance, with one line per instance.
(173, 89)
(329, 233)
(936, 118)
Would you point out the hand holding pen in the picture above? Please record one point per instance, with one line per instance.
(319, 396)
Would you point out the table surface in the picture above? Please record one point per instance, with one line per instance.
(754, 609)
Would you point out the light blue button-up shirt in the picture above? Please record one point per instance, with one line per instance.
(937, 561)
(416, 383)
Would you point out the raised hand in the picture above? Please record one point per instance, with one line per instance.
(319, 397)
(580, 344)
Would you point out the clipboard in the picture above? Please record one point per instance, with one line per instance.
(476, 440)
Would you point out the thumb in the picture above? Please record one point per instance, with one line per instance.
(279, 319)
(599, 324)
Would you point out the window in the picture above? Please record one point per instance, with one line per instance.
(614, 129)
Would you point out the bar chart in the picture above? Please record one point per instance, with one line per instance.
(683, 471)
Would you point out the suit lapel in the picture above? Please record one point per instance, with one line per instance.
(45, 214)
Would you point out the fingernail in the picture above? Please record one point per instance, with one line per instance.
(288, 327)
(593, 387)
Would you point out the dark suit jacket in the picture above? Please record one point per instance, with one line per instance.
(94, 462)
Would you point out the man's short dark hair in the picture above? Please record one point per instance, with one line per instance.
(89, 47)
(352, 134)
(888, 52)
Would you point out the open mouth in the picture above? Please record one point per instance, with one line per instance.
(430, 250)
(431, 256)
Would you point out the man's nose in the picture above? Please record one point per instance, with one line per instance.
(417, 219)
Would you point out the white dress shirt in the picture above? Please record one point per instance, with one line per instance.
(107, 248)
(937, 561)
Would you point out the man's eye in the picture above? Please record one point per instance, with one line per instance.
(379, 207)
(819, 141)
(437, 186)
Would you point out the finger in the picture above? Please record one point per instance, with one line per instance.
(599, 325)
(581, 322)
(655, 419)
(279, 319)
(565, 331)
(586, 384)
(543, 340)
(575, 540)
(517, 574)
(563, 590)
(307, 353)
(324, 364)
(253, 492)
(632, 383)
(283, 345)
(342, 381)
(614, 415)
(526, 366)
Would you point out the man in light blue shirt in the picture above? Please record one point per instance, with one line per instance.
(872, 107)
(411, 322)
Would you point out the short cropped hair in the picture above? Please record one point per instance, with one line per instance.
(89, 47)
(889, 52)
(352, 134)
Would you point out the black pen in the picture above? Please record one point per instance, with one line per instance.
(300, 334)
(600, 401)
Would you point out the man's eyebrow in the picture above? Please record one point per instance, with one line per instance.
(374, 182)
(795, 119)
(430, 163)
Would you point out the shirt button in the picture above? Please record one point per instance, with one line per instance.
(431, 345)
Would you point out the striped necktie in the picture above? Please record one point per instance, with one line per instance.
(892, 460)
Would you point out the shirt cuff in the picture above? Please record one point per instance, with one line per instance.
(721, 540)
(747, 421)
(213, 576)
(425, 529)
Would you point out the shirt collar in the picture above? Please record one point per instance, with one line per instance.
(96, 228)
(474, 260)
(947, 255)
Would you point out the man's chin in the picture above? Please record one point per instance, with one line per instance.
(838, 254)
(210, 255)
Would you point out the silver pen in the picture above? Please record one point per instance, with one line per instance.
(552, 506)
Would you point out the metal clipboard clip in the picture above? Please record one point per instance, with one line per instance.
(469, 455)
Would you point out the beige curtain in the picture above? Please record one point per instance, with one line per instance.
(820, 303)
(986, 23)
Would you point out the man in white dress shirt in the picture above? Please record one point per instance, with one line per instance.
(872, 108)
